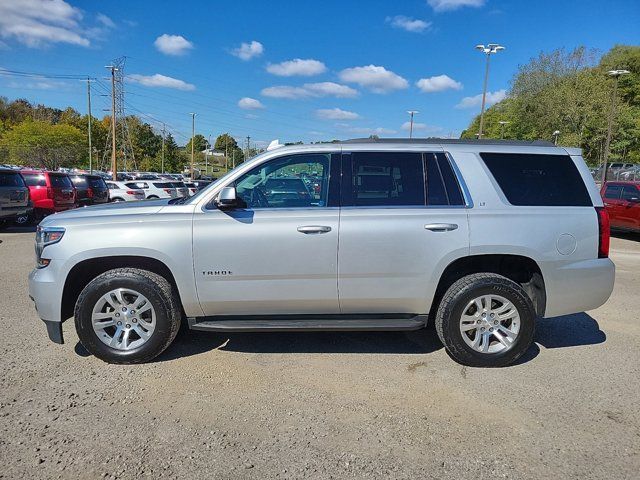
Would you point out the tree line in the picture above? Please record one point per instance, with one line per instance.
(570, 92)
(45, 137)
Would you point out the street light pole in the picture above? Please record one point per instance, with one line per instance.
(616, 74)
(488, 50)
(556, 134)
(411, 114)
(193, 137)
(502, 124)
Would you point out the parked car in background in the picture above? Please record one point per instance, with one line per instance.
(90, 189)
(181, 189)
(154, 189)
(622, 201)
(119, 192)
(632, 174)
(50, 192)
(14, 197)
(193, 188)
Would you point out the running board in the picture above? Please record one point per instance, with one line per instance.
(316, 323)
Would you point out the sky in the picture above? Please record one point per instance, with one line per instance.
(293, 70)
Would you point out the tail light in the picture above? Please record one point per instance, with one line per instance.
(49, 192)
(133, 192)
(90, 192)
(604, 232)
(168, 190)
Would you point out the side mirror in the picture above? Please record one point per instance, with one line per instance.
(227, 198)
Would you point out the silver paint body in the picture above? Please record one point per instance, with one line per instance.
(372, 260)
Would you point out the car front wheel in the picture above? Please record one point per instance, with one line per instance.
(127, 315)
(486, 320)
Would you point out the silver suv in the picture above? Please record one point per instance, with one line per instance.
(479, 237)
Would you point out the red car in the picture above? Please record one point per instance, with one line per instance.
(622, 201)
(50, 192)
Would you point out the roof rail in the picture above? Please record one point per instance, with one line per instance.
(452, 141)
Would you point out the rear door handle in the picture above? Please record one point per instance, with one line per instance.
(441, 227)
(312, 229)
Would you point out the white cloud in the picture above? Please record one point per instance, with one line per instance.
(247, 103)
(297, 66)
(438, 84)
(308, 90)
(336, 114)
(173, 44)
(104, 20)
(409, 24)
(36, 23)
(476, 100)
(367, 130)
(247, 51)
(447, 5)
(159, 80)
(375, 78)
(422, 127)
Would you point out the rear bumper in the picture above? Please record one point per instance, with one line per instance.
(578, 286)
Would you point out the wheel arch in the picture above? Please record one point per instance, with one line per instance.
(523, 270)
(86, 270)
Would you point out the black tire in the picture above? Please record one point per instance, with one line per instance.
(24, 220)
(158, 291)
(458, 296)
(4, 224)
(117, 199)
(152, 197)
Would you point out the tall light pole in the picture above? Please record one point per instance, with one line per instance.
(411, 114)
(556, 134)
(163, 135)
(616, 74)
(193, 138)
(89, 126)
(487, 50)
(502, 124)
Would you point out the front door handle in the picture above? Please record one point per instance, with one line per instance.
(312, 229)
(441, 227)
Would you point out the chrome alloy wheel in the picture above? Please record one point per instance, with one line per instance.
(490, 324)
(123, 319)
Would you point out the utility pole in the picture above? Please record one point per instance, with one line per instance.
(233, 159)
(89, 126)
(226, 152)
(488, 50)
(163, 134)
(411, 114)
(247, 154)
(114, 165)
(193, 137)
(616, 74)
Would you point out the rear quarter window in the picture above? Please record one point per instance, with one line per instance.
(97, 183)
(538, 179)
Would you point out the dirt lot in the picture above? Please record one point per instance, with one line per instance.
(346, 405)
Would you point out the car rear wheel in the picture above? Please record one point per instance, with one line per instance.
(127, 315)
(117, 199)
(486, 320)
(152, 197)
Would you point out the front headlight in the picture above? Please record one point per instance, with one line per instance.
(46, 236)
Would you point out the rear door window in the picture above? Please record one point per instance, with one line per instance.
(60, 181)
(613, 192)
(80, 182)
(10, 179)
(630, 192)
(385, 179)
(538, 179)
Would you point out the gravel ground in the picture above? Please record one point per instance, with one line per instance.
(330, 405)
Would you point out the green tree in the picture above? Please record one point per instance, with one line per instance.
(41, 144)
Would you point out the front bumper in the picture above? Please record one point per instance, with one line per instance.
(46, 292)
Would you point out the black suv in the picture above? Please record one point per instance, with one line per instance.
(90, 189)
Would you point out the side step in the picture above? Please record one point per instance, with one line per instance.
(316, 323)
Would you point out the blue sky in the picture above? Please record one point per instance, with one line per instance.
(294, 70)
